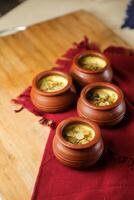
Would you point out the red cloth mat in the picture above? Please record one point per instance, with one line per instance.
(113, 177)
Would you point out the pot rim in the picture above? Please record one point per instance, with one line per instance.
(70, 120)
(42, 74)
(106, 85)
(90, 52)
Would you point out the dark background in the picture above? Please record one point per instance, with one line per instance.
(7, 5)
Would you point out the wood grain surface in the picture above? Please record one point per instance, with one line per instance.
(22, 138)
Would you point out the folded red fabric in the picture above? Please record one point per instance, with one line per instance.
(113, 176)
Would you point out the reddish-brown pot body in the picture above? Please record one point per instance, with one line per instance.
(83, 77)
(74, 155)
(57, 101)
(102, 115)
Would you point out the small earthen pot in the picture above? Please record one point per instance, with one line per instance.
(102, 103)
(70, 146)
(91, 66)
(53, 91)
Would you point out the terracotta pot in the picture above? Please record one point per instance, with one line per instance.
(78, 156)
(55, 101)
(83, 77)
(107, 115)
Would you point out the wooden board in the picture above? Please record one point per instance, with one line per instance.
(22, 139)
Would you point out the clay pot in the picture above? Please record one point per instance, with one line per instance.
(78, 156)
(55, 101)
(83, 77)
(107, 115)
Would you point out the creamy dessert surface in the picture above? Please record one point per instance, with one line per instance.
(93, 63)
(78, 133)
(52, 83)
(102, 96)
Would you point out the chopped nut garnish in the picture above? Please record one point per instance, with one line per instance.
(78, 133)
(102, 96)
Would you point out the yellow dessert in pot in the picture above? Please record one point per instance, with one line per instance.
(52, 83)
(78, 133)
(92, 63)
(102, 96)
